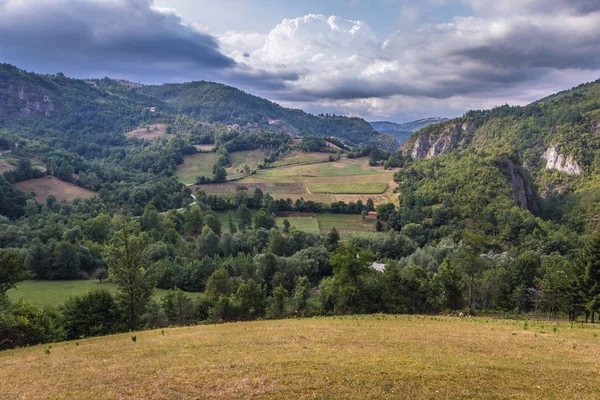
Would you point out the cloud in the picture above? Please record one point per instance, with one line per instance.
(122, 37)
(507, 51)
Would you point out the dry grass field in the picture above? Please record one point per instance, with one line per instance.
(153, 132)
(353, 357)
(62, 190)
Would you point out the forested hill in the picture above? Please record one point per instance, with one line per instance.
(101, 110)
(214, 102)
(549, 150)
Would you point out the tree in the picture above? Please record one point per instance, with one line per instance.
(280, 294)
(178, 307)
(349, 264)
(244, 217)
(193, 220)
(286, 225)
(251, 297)
(469, 258)
(218, 284)
(277, 244)
(213, 223)
(219, 174)
(589, 265)
(65, 172)
(126, 268)
(553, 282)
(332, 239)
(452, 283)
(301, 293)
(92, 314)
(66, 261)
(12, 270)
(264, 220)
(230, 223)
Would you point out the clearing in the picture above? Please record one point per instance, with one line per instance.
(151, 132)
(201, 164)
(62, 190)
(55, 293)
(351, 357)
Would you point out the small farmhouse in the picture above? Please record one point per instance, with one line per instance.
(372, 215)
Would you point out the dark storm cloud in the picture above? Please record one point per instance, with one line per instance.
(124, 37)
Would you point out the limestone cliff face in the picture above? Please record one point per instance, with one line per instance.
(26, 103)
(556, 160)
(431, 145)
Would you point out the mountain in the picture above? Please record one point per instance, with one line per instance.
(401, 132)
(101, 110)
(214, 102)
(548, 151)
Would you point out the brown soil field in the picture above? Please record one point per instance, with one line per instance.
(42, 187)
(155, 132)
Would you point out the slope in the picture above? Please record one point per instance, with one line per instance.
(354, 357)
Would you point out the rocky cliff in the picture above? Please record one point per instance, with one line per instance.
(438, 142)
(556, 160)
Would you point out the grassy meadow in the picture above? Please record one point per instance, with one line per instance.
(353, 357)
(201, 164)
(55, 293)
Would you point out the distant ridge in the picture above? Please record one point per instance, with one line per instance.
(401, 132)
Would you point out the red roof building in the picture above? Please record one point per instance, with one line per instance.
(372, 215)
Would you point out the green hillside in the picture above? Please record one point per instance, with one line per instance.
(214, 102)
(553, 144)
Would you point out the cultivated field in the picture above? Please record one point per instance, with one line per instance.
(151, 133)
(296, 157)
(343, 180)
(62, 190)
(230, 189)
(54, 293)
(349, 188)
(353, 357)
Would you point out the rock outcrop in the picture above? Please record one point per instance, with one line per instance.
(556, 160)
(518, 184)
(431, 145)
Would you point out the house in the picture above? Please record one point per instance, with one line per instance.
(152, 109)
(372, 215)
(378, 267)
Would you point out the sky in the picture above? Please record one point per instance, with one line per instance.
(396, 60)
